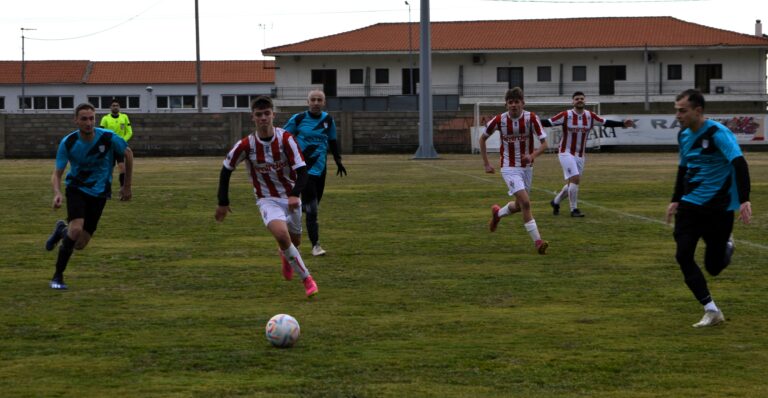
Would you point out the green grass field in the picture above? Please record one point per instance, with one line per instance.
(417, 298)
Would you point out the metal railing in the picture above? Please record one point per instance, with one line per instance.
(546, 89)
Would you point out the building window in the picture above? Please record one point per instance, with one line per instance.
(621, 72)
(2, 102)
(513, 76)
(410, 80)
(502, 75)
(382, 76)
(355, 76)
(105, 101)
(47, 102)
(674, 72)
(579, 73)
(544, 74)
(179, 101)
(317, 76)
(237, 101)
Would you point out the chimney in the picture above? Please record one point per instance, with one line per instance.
(758, 28)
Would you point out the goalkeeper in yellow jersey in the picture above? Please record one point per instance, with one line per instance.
(121, 125)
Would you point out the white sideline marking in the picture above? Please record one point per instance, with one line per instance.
(629, 215)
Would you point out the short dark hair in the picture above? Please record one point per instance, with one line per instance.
(695, 97)
(114, 101)
(576, 94)
(514, 93)
(84, 105)
(262, 102)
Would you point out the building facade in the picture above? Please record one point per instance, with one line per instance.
(141, 87)
(634, 63)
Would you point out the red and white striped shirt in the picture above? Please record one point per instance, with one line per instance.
(271, 165)
(517, 136)
(576, 128)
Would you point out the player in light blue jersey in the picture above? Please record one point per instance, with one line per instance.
(712, 182)
(315, 132)
(91, 153)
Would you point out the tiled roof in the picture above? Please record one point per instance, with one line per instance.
(42, 72)
(532, 34)
(131, 72)
(181, 72)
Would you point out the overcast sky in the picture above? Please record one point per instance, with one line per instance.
(156, 30)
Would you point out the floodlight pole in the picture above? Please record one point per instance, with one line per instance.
(23, 71)
(426, 147)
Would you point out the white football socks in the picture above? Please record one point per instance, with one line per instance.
(533, 230)
(710, 306)
(573, 195)
(560, 195)
(294, 258)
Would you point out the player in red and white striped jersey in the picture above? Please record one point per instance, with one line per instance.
(518, 129)
(278, 173)
(577, 123)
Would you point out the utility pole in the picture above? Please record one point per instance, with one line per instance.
(198, 67)
(23, 71)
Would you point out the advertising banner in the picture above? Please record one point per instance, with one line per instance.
(649, 130)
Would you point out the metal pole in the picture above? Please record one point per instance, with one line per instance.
(23, 71)
(426, 147)
(647, 106)
(198, 72)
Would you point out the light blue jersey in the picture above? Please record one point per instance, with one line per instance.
(707, 153)
(90, 162)
(313, 133)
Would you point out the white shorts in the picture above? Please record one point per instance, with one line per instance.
(277, 209)
(517, 178)
(572, 165)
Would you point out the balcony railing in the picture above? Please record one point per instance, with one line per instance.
(547, 89)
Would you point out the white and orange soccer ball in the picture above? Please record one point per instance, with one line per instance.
(283, 330)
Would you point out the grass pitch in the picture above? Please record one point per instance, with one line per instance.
(417, 298)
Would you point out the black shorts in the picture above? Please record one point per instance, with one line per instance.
(87, 207)
(314, 188)
(694, 222)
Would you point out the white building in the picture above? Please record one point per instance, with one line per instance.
(141, 87)
(633, 62)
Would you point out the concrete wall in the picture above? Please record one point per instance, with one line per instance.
(38, 135)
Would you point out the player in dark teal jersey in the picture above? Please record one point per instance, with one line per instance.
(712, 182)
(315, 132)
(90, 153)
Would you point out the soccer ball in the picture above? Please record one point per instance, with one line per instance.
(282, 330)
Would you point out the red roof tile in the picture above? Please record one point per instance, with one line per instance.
(533, 34)
(41, 72)
(181, 72)
(130, 72)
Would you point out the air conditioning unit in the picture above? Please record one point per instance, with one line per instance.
(478, 59)
(719, 90)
